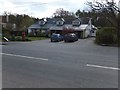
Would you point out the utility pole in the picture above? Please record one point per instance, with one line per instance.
(0, 24)
(7, 18)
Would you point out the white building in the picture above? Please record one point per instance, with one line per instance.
(119, 4)
(81, 26)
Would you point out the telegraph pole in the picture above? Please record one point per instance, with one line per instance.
(7, 18)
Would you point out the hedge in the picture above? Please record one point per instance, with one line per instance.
(106, 35)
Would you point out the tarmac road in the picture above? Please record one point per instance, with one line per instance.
(42, 64)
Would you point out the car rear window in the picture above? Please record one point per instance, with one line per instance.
(56, 35)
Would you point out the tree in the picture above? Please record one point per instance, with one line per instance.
(26, 22)
(62, 13)
(19, 22)
(109, 10)
(79, 13)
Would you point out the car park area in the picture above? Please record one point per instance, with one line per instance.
(42, 64)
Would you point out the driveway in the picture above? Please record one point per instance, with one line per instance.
(42, 64)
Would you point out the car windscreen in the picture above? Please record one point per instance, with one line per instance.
(55, 35)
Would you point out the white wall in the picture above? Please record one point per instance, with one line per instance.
(88, 31)
(29, 30)
(119, 4)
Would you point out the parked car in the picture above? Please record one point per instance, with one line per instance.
(70, 37)
(56, 38)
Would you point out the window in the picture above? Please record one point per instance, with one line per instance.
(41, 22)
(93, 31)
(59, 23)
(76, 23)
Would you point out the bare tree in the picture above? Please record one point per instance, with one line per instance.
(109, 10)
(62, 13)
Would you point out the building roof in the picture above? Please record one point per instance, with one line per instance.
(56, 28)
(83, 26)
(70, 26)
(51, 23)
(84, 20)
(47, 25)
(35, 26)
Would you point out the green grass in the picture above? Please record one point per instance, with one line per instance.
(36, 38)
(19, 38)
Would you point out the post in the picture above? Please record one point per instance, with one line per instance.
(23, 36)
(1, 68)
(7, 18)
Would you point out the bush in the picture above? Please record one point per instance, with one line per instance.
(106, 35)
(18, 38)
(38, 34)
(6, 33)
(28, 39)
(31, 35)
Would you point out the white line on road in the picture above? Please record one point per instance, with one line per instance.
(23, 56)
(98, 66)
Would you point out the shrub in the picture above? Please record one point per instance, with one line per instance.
(18, 38)
(106, 35)
(31, 35)
(28, 39)
(39, 34)
(6, 33)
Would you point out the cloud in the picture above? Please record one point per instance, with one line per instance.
(41, 8)
(11, 7)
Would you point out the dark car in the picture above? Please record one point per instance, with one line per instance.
(70, 37)
(56, 38)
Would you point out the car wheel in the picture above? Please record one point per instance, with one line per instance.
(65, 40)
(51, 40)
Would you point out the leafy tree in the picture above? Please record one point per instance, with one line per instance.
(97, 18)
(21, 21)
(12, 18)
(26, 22)
(79, 13)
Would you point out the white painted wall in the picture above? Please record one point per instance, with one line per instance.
(93, 34)
(87, 33)
(29, 30)
(119, 4)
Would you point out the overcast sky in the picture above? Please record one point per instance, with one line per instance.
(41, 8)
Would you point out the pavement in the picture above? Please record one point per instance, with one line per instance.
(42, 64)
(3, 43)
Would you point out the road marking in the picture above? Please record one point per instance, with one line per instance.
(24, 56)
(105, 67)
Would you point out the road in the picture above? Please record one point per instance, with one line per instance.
(42, 64)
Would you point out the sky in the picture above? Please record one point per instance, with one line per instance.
(41, 8)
